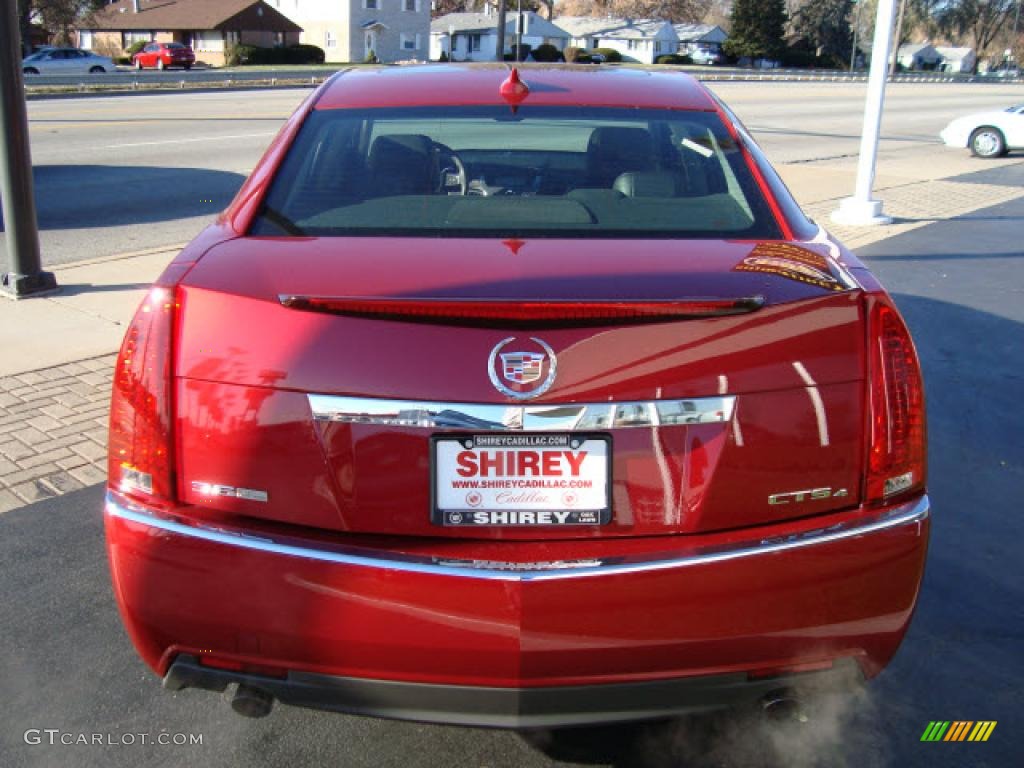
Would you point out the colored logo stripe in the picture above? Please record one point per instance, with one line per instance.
(982, 730)
(958, 730)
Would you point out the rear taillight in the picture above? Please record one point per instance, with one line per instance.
(140, 453)
(897, 452)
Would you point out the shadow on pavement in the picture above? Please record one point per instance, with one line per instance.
(85, 196)
(77, 289)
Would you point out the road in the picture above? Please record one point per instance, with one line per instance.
(66, 664)
(124, 173)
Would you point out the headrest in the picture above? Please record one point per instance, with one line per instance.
(648, 184)
(401, 163)
(631, 148)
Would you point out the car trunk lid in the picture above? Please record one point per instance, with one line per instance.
(768, 335)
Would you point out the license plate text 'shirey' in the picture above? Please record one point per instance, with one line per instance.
(518, 479)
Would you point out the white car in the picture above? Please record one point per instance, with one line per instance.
(66, 61)
(706, 57)
(987, 134)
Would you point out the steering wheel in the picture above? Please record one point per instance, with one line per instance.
(451, 172)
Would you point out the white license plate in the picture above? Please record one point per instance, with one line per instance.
(521, 479)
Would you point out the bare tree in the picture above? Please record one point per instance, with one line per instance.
(678, 11)
(444, 7)
(981, 20)
(58, 17)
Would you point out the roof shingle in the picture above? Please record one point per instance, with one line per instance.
(185, 14)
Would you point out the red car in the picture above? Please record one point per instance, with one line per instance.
(515, 400)
(164, 56)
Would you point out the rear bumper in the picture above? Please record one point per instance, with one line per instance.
(384, 633)
(518, 708)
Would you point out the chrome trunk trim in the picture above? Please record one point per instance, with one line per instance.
(911, 513)
(553, 417)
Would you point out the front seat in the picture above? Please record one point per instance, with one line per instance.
(615, 150)
(401, 164)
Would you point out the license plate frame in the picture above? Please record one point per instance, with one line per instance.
(589, 515)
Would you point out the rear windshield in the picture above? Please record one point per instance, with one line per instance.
(541, 172)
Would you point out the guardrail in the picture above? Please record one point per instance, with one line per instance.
(836, 76)
(133, 80)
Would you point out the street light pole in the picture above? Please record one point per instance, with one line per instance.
(856, 29)
(519, 29)
(500, 52)
(861, 209)
(25, 275)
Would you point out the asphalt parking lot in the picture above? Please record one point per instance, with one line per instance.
(66, 664)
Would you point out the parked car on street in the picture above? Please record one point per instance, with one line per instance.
(987, 134)
(66, 61)
(164, 56)
(516, 398)
(706, 57)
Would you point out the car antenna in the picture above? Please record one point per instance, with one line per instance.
(513, 90)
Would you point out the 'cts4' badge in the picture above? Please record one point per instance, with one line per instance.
(522, 371)
(812, 494)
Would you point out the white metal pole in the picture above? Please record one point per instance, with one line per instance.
(861, 209)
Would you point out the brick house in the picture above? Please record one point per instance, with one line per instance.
(208, 26)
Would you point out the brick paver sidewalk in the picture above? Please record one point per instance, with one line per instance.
(53, 430)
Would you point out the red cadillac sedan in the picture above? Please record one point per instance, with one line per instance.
(164, 56)
(517, 399)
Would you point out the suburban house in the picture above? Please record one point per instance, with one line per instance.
(350, 30)
(474, 36)
(918, 56)
(642, 40)
(956, 59)
(208, 26)
(700, 37)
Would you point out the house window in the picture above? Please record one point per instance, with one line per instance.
(474, 43)
(410, 42)
(371, 5)
(411, 5)
(330, 41)
(128, 39)
(633, 45)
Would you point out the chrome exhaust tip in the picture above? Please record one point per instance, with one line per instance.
(784, 706)
(251, 702)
